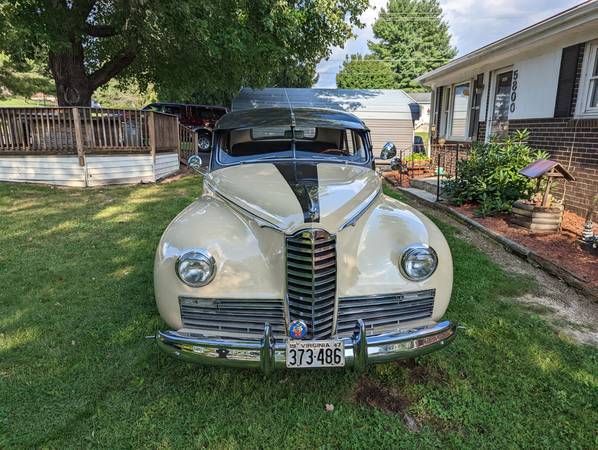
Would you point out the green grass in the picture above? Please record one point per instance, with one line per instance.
(76, 300)
(21, 102)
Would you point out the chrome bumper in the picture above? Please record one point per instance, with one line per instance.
(268, 353)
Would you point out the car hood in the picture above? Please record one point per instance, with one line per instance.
(289, 195)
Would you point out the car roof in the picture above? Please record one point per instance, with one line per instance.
(299, 117)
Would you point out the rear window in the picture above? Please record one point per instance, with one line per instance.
(282, 133)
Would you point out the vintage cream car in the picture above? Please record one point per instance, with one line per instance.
(293, 257)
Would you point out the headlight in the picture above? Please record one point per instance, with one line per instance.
(418, 262)
(196, 268)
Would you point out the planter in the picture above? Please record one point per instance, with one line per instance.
(539, 219)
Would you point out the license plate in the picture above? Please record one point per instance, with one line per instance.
(303, 354)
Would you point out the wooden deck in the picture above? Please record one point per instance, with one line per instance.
(90, 146)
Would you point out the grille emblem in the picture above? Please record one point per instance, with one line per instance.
(298, 329)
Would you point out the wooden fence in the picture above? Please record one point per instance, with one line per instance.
(82, 131)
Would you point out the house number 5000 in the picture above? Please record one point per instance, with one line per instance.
(514, 90)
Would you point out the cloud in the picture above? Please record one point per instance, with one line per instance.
(471, 26)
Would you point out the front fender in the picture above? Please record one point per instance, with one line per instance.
(369, 254)
(250, 260)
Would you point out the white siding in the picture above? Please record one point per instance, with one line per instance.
(122, 169)
(537, 84)
(400, 132)
(166, 164)
(59, 170)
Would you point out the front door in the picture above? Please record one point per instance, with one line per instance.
(499, 124)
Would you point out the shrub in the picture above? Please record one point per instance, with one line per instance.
(490, 176)
(417, 157)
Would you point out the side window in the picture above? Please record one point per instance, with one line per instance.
(589, 96)
(174, 110)
(458, 113)
(349, 144)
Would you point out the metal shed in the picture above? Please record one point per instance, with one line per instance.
(388, 113)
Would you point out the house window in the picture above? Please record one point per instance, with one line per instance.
(588, 101)
(460, 111)
(444, 118)
(455, 113)
(499, 124)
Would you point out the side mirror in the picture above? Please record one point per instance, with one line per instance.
(194, 161)
(396, 163)
(388, 151)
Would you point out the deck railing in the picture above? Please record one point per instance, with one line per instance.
(81, 131)
(188, 140)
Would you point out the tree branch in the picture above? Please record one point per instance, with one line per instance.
(112, 68)
(99, 31)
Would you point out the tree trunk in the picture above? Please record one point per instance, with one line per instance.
(73, 87)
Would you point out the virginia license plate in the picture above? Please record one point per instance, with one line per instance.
(304, 354)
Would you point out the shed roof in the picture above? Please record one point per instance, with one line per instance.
(421, 97)
(364, 103)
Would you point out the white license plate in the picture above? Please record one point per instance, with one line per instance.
(303, 354)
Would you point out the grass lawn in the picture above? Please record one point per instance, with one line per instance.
(76, 301)
(21, 102)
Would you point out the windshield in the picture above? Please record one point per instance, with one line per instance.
(270, 143)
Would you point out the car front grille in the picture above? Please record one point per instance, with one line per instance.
(311, 280)
(236, 316)
(379, 311)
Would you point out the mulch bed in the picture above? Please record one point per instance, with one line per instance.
(562, 248)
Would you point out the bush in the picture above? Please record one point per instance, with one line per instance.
(417, 157)
(490, 177)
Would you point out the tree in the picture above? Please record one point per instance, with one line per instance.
(411, 37)
(115, 94)
(366, 72)
(24, 78)
(294, 74)
(414, 37)
(183, 47)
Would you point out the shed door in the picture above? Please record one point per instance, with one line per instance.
(390, 130)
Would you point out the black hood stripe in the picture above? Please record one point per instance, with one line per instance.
(303, 181)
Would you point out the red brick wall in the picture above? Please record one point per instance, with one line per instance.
(568, 140)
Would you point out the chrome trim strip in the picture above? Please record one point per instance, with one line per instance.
(353, 220)
(268, 353)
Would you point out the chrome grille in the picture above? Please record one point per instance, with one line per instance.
(232, 315)
(384, 310)
(311, 280)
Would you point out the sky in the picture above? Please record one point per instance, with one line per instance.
(472, 23)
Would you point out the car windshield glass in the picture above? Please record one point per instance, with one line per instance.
(267, 143)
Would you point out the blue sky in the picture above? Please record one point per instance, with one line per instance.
(473, 23)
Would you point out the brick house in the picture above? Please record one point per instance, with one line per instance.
(543, 78)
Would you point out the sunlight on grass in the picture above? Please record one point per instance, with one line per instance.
(76, 371)
(19, 338)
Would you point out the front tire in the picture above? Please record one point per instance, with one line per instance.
(204, 141)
